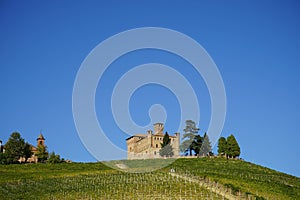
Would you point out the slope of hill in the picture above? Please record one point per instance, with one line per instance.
(190, 179)
(241, 178)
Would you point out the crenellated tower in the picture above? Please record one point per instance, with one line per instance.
(158, 128)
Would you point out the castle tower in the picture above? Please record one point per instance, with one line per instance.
(176, 144)
(40, 140)
(158, 128)
(149, 138)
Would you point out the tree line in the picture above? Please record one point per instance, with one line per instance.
(16, 150)
(229, 147)
(195, 144)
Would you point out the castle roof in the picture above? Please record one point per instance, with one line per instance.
(138, 135)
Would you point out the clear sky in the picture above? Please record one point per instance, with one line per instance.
(255, 44)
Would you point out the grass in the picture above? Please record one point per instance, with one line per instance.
(91, 181)
(140, 166)
(98, 181)
(241, 176)
(17, 173)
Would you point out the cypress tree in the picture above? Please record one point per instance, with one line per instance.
(197, 144)
(222, 146)
(166, 148)
(233, 148)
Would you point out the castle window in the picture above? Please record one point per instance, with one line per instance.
(156, 145)
(41, 142)
(154, 152)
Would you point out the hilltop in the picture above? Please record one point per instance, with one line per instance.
(213, 178)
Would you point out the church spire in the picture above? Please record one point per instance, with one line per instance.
(40, 140)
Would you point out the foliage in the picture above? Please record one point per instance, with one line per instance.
(166, 148)
(190, 132)
(233, 148)
(229, 148)
(42, 153)
(14, 148)
(193, 142)
(54, 158)
(222, 146)
(253, 181)
(94, 181)
(140, 165)
(206, 146)
(197, 144)
(27, 151)
(97, 181)
(233, 188)
(3, 159)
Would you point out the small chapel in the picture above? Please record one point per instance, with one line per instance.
(147, 145)
(34, 159)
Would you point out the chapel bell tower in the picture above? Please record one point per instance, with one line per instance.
(40, 140)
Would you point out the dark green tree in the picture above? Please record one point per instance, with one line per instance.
(166, 148)
(206, 146)
(14, 148)
(233, 148)
(54, 158)
(222, 147)
(27, 153)
(196, 144)
(190, 132)
(42, 153)
(3, 159)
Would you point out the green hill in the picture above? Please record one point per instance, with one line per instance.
(205, 178)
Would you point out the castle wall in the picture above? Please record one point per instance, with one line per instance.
(145, 146)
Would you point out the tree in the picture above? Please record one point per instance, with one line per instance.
(54, 158)
(14, 148)
(27, 151)
(42, 153)
(3, 159)
(206, 146)
(233, 148)
(196, 144)
(222, 147)
(190, 132)
(166, 148)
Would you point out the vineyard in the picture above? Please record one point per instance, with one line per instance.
(184, 179)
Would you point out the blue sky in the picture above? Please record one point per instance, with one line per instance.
(255, 44)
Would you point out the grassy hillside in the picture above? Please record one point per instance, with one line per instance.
(242, 177)
(193, 179)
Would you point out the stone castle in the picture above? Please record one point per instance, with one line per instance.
(147, 145)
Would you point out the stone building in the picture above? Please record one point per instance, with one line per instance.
(147, 145)
(34, 159)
